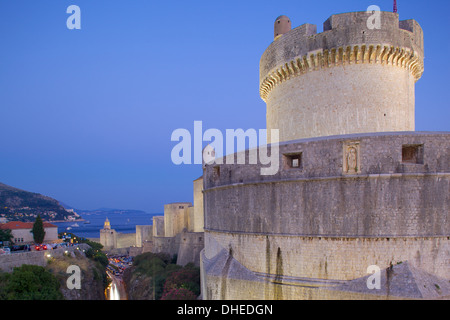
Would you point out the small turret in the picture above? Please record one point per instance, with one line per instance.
(282, 25)
(107, 225)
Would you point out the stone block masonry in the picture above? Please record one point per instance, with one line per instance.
(39, 258)
(348, 79)
(322, 220)
(356, 186)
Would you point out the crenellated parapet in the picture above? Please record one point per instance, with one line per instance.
(383, 54)
(353, 77)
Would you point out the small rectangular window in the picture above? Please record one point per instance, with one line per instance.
(217, 172)
(412, 154)
(293, 161)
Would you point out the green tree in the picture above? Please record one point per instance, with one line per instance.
(179, 294)
(38, 230)
(30, 282)
(187, 277)
(4, 279)
(5, 235)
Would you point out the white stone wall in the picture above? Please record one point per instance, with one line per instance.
(198, 206)
(175, 218)
(330, 258)
(51, 234)
(158, 226)
(348, 99)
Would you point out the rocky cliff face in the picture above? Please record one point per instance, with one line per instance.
(138, 286)
(92, 277)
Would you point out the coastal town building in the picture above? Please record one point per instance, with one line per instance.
(21, 232)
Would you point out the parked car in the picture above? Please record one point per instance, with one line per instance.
(5, 250)
(24, 247)
(40, 247)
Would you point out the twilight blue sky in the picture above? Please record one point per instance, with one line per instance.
(87, 115)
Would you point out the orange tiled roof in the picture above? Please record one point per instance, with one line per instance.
(23, 225)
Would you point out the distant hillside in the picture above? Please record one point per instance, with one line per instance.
(16, 204)
(108, 211)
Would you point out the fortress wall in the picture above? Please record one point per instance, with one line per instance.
(125, 240)
(147, 246)
(168, 245)
(379, 153)
(391, 206)
(322, 221)
(332, 258)
(198, 205)
(343, 100)
(231, 282)
(176, 217)
(191, 219)
(9, 261)
(387, 197)
(357, 190)
(158, 226)
(143, 233)
(219, 288)
(191, 243)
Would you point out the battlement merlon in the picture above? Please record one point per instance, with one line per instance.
(343, 31)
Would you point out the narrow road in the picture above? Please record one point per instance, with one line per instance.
(116, 290)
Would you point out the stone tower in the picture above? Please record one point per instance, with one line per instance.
(107, 225)
(108, 236)
(357, 187)
(354, 77)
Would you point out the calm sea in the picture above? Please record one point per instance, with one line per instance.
(121, 222)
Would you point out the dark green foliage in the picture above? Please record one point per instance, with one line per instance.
(4, 279)
(98, 256)
(168, 279)
(95, 251)
(100, 274)
(38, 230)
(94, 245)
(179, 294)
(186, 278)
(5, 235)
(29, 282)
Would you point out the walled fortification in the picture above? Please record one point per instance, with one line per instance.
(191, 244)
(336, 206)
(356, 186)
(198, 205)
(180, 231)
(143, 234)
(9, 261)
(176, 218)
(347, 79)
